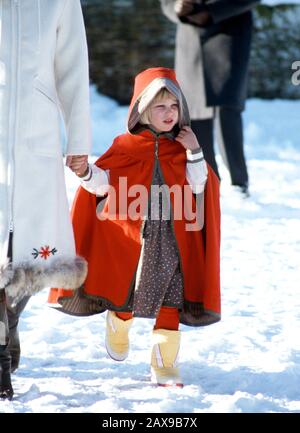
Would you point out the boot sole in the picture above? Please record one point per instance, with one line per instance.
(165, 385)
(115, 356)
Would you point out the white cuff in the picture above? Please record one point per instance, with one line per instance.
(88, 176)
(96, 181)
(194, 155)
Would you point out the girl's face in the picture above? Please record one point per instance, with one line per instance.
(164, 114)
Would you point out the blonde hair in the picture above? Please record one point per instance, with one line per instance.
(158, 89)
(145, 104)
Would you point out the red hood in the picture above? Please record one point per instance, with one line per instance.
(156, 78)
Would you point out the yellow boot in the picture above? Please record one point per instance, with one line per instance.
(164, 356)
(116, 339)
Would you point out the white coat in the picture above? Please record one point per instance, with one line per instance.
(43, 71)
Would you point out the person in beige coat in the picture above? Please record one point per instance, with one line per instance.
(43, 75)
(212, 55)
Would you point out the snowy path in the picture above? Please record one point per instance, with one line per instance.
(249, 362)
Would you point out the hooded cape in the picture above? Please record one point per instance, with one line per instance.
(112, 245)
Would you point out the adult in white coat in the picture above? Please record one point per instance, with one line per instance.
(43, 72)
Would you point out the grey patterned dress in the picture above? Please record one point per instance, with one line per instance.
(159, 280)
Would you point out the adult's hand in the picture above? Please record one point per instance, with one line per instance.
(77, 163)
(183, 7)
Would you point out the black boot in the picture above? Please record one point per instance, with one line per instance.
(6, 389)
(14, 348)
(13, 322)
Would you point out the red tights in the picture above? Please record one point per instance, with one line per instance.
(167, 318)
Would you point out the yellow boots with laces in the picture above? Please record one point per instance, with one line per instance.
(164, 357)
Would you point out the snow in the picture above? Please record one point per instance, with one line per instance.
(248, 362)
(280, 2)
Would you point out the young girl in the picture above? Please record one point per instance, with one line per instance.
(146, 259)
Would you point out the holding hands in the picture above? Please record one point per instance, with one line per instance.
(187, 138)
(78, 164)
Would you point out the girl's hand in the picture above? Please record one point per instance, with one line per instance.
(187, 138)
(77, 163)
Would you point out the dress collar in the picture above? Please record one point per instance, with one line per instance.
(146, 131)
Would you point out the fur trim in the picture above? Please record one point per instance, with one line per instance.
(29, 278)
(6, 274)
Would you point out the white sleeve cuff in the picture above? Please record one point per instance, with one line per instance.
(194, 155)
(96, 181)
(196, 174)
(88, 176)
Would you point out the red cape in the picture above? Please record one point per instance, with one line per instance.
(112, 247)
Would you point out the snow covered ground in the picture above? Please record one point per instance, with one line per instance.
(248, 362)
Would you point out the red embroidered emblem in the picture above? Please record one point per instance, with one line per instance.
(44, 252)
